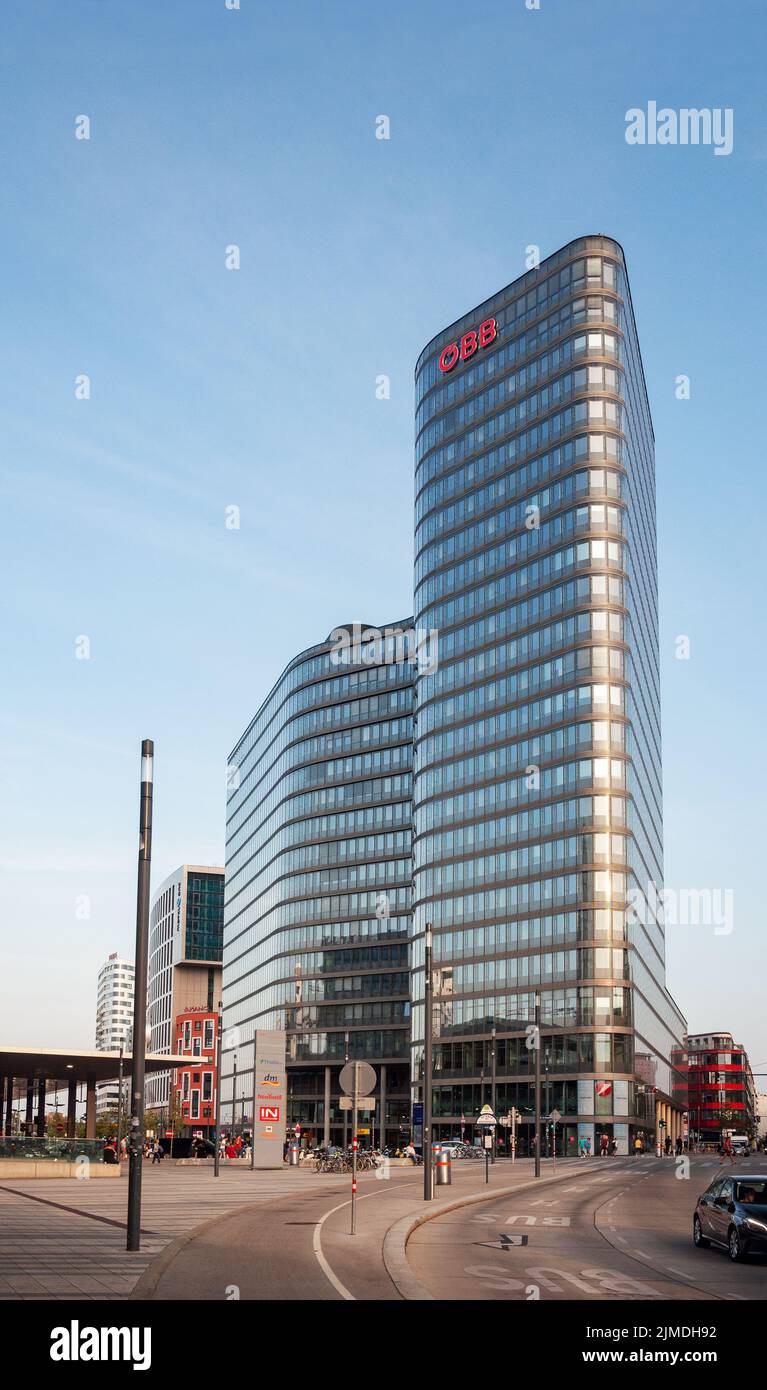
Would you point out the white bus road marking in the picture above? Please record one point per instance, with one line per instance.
(522, 1219)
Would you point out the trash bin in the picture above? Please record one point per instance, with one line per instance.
(294, 1150)
(443, 1169)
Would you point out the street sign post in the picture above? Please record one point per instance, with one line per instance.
(486, 1117)
(554, 1117)
(359, 1078)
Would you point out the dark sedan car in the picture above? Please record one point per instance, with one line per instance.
(733, 1212)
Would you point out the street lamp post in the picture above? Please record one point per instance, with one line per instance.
(427, 1065)
(234, 1099)
(138, 1064)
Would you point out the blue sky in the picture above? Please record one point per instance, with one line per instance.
(256, 388)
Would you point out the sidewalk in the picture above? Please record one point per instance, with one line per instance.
(287, 1250)
(65, 1238)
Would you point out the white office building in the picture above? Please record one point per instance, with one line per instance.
(114, 1018)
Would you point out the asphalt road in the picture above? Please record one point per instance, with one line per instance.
(621, 1229)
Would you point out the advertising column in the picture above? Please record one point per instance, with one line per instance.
(270, 1092)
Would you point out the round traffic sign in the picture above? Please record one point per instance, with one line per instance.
(366, 1078)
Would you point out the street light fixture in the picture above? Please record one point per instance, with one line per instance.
(138, 1065)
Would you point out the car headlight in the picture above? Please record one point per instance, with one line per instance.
(755, 1225)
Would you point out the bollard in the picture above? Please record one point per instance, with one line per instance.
(443, 1169)
(293, 1152)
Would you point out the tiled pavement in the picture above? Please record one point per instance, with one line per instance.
(53, 1246)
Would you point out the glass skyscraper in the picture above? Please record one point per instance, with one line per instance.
(318, 883)
(537, 773)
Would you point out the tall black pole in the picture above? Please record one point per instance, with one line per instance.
(138, 1064)
(537, 1085)
(234, 1099)
(217, 1083)
(427, 1065)
(120, 1100)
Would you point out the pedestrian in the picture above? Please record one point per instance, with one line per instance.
(410, 1151)
(727, 1150)
(604, 1143)
(581, 1148)
(614, 1148)
(668, 1145)
(678, 1145)
(156, 1152)
(637, 1147)
(588, 1148)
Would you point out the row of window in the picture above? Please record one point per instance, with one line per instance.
(537, 573)
(596, 589)
(522, 343)
(573, 486)
(566, 704)
(380, 789)
(478, 401)
(516, 549)
(537, 402)
(502, 481)
(531, 933)
(314, 680)
(540, 896)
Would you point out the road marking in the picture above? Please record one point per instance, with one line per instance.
(680, 1272)
(317, 1247)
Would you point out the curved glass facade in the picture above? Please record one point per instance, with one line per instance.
(318, 884)
(537, 773)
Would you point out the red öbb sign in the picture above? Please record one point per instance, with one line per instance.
(470, 342)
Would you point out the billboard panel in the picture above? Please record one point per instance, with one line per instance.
(271, 1098)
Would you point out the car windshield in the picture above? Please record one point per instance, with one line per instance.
(752, 1190)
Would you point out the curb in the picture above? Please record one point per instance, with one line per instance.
(396, 1238)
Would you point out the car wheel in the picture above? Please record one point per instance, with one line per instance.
(734, 1244)
(698, 1237)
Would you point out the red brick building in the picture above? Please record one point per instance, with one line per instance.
(195, 1084)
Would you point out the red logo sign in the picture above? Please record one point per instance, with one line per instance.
(269, 1112)
(476, 338)
(604, 1088)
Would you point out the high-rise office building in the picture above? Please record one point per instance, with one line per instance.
(318, 873)
(186, 922)
(114, 1019)
(537, 773)
(537, 793)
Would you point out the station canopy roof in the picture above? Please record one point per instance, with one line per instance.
(58, 1065)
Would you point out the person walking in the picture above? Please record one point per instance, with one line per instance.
(637, 1147)
(156, 1152)
(727, 1150)
(604, 1143)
